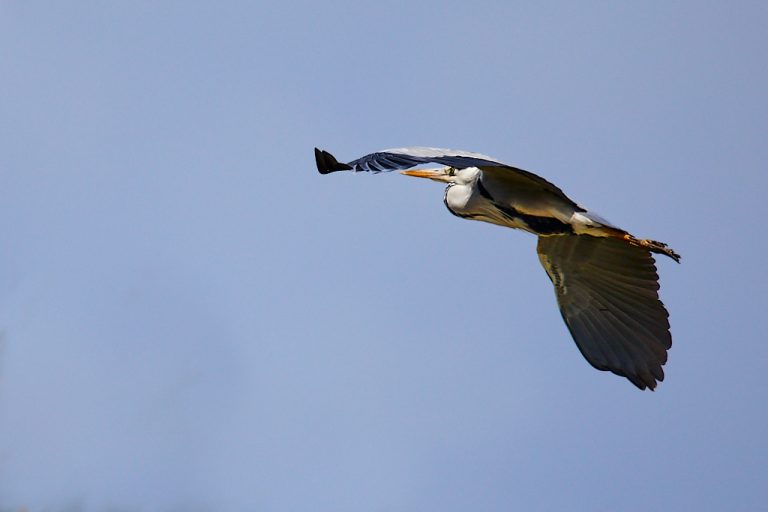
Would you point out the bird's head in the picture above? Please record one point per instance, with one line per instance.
(449, 175)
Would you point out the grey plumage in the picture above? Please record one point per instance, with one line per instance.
(607, 291)
(605, 279)
(405, 158)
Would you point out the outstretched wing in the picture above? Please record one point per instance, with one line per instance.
(608, 295)
(507, 177)
(403, 158)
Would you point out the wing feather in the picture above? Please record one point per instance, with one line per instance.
(607, 291)
(404, 158)
(522, 182)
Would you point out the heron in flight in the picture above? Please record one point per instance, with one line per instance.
(605, 278)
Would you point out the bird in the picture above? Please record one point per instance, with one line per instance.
(605, 279)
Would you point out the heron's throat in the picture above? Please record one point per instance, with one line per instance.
(457, 199)
(474, 201)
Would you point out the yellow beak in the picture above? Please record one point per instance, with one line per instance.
(432, 174)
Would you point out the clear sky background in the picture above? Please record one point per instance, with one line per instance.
(194, 319)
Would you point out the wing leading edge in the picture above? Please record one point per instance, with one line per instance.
(404, 158)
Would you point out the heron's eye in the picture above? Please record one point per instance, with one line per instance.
(451, 171)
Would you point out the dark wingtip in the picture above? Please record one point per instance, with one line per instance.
(326, 163)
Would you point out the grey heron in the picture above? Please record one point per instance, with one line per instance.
(605, 279)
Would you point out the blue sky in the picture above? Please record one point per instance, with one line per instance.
(194, 319)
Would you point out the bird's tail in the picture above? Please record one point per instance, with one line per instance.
(327, 163)
(589, 223)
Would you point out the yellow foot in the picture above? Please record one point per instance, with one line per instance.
(653, 246)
